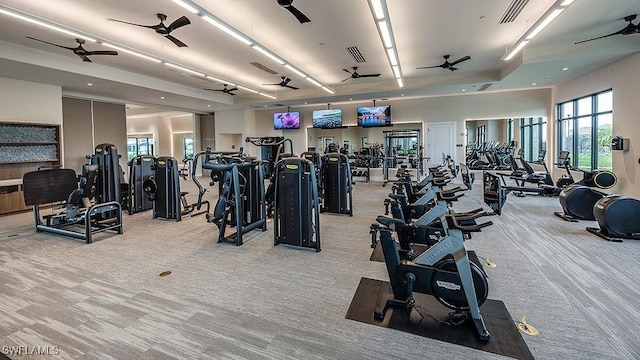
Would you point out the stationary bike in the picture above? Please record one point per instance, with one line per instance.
(443, 271)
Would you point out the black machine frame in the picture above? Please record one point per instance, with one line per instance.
(337, 186)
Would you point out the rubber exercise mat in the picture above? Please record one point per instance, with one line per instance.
(378, 255)
(505, 337)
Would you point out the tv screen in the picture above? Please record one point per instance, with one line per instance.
(288, 120)
(374, 116)
(327, 119)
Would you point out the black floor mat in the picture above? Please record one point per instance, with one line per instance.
(378, 255)
(505, 338)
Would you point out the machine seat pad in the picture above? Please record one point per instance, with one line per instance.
(48, 186)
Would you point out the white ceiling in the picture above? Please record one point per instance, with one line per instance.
(424, 30)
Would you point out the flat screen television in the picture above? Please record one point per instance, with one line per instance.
(286, 121)
(327, 119)
(374, 116)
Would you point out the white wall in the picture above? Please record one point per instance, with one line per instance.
(29, 102)
(623, 77)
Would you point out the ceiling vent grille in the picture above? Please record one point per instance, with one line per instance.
(485, 86)
(357, 56)
(263, 68)
(514, 9)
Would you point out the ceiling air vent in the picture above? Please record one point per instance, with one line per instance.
(263, 68)
(485, 86)
(514, 9)
(357, 56)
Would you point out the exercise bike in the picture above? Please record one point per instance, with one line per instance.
(444, 271)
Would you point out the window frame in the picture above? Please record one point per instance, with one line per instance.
(531, 124)
(574, 118)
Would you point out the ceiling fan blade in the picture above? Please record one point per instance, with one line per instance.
(46, 42)
(452, 68)
(180, 22)
(346, 79)
(302, 18)
(291, 87)
(176, 41)
(349, 71)
(234, 89)
(429, 67)
(214, 89)
(601, 37)
(229, 92)
(85, 58)
(370, 75)
(102, 52)
(465, 58)
(272, 84)
(130, 23)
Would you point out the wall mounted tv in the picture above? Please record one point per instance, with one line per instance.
(374, 116)
(327, 119)
(286, 121)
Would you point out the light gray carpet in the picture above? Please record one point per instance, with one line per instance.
(106, 300)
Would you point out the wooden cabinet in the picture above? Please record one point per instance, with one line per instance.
(24, 148)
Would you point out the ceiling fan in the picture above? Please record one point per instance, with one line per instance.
(446, 64)
(356, 75)
(80, 51)
(297, 13)
(284, 83)
(225, 90)
(630, 29)
(162, 29)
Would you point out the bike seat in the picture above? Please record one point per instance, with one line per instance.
(397, 197)
(388, 220)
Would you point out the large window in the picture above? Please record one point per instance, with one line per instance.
(533, 137)
(585, 130)
(481, 136)
(187, 147)
(139, 146)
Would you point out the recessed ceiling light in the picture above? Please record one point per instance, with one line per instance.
(565, 69)
(534, 84)
(162, 97)
(401, 94)
(208, 105)
(350, 99)
(464, 89)
(89, 84)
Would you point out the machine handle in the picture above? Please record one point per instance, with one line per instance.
(453, 222)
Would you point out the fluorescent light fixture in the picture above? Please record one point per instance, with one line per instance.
(267, 95)
(247, 89)
(516, 49)
(295, 71)
(226, 29)
(268, 54)
(386, 36)
(566, 3)
(220, 80)
(184, 69)
(377, 9)
(544, 23)
(188, 7)
(396, 71)
(119, 48)
(400, 83)
(314, 82)
(46, 24)
(328, 90)
(391, 53)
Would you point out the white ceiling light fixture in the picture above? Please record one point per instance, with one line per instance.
(245, 39)
(220, 80)
(380, 13)
(247, 89)
(182, 68)
(186, 6)
(551, 14)
(132, 52)
(267, 95)
(268, 54)
(314, 82)
(44, 23)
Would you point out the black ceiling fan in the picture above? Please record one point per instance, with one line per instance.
(162, 29)
(225, 90)
(284, 83)
(292, 9)
(356, 75)
(446, 64)
(80, 51)
(630, 29)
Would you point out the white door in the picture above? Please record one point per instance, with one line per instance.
(440, 139)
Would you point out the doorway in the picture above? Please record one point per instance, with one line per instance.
(440, 140)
